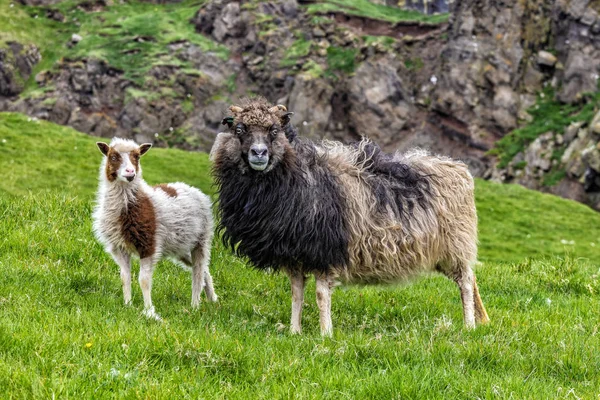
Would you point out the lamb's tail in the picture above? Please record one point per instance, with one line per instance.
(181, 264)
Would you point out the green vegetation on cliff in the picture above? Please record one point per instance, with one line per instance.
(548, 115)
(130, 36)
(64, 331)
(365, 8)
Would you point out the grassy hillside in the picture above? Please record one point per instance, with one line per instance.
(64, 332)
(131, 36)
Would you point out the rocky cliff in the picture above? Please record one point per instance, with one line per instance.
(508, 86)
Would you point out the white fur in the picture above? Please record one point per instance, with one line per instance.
(184, 229)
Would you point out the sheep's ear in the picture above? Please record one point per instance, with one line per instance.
(144, 148)
(278, 107)
(227, 121)
(103, 147)
(285, 118)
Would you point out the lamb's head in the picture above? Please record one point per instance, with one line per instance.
(122, 159)
(264, 133)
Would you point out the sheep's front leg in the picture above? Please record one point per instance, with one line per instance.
(297, 280)
(146, 271)
(324, 291)
(123, 260)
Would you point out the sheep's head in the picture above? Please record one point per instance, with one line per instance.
(122, 159)
(264, 132)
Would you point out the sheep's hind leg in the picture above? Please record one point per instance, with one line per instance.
(465, 282)
(324, 291)
(298, 280)
(209, 289)
(124, 261)
(201, 278)
(145, 278)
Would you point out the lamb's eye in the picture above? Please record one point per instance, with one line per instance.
(114, 158)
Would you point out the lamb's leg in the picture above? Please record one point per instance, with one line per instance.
(201, 278)
(481, 316)
(209, 289)
(123, 260)
(297, 280)
(145, 278)
(324, 290)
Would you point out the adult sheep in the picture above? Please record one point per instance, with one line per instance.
(348, 213)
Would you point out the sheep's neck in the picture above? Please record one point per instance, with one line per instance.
(118, 195)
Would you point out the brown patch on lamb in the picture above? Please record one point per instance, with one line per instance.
(138, 225)
(113, 163)
(170, 191)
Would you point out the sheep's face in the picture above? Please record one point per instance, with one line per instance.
(261, 132)
(122, 159)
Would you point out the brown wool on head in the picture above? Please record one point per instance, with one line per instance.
(256, 112)
(170, 191)
(113, 162)
(138, 225)
(134, 156)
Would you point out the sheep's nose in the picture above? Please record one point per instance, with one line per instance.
(259, 150)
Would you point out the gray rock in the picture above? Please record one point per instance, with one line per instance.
(578, 77)
(589, 17)
(595, 124)
(546, 58)
(16, 63)
(318, 32)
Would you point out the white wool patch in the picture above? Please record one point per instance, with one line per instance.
(123, 145)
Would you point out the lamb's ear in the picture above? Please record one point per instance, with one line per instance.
(144, 148)
(285, 118)
(103, 147)
(227, 121)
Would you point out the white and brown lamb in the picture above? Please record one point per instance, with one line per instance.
(133, 218)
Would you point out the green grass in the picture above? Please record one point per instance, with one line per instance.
(365, 8)
(342, 60)
(65, 333)
(548, 115)
(131, 37)
(299, 49)
(19, 24)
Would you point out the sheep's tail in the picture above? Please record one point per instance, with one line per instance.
(181, 264)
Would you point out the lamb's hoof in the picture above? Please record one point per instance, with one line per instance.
(151, 314)
(213, 299)
(327, 333)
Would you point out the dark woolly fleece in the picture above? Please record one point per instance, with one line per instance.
(285, 219)
(394, 184)
(282, 218)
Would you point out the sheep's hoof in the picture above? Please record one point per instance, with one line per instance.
(213, 299)
(327, 333)
(151, 314)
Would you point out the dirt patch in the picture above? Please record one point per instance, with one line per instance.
(375, 27)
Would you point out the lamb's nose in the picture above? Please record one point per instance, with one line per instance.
(258, 150)
(129, 170)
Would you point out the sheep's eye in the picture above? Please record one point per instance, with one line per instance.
(239, 130)
(274, 131)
